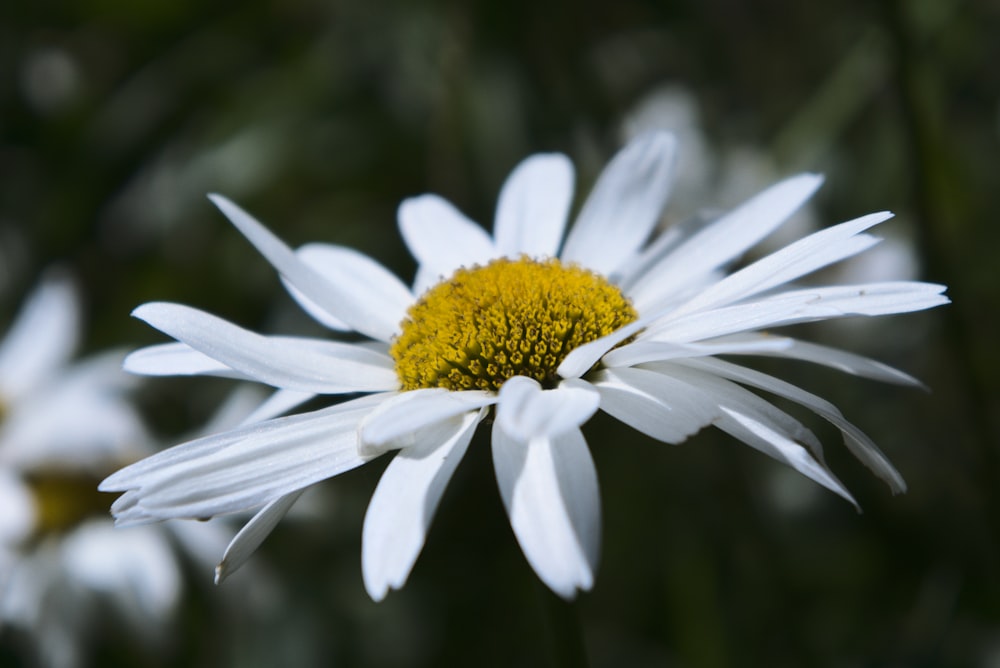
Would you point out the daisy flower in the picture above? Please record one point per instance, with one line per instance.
(534, 327)
(64, 425)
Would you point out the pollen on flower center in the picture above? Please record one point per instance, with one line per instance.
(509, 318)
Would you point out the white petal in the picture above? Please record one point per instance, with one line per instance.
(641, 351)
(724, 240)
(791, 262)
(340, 300)
(526, 411)
(137, 569)
(74, 425)
(441, 238)
(234, 409)
(253, 533)
(580, 360)
(533, 205)
(549, 487)
(401, 421)
(404, 504)
(655, 404)
(722, 393)
(759, 424)
(796, 306)
(624, 205)
(42, 338)
(425, 278)
(279, 403)
(353, 271)
(243, 468)
(176, 359)
(860, 445)
(665, 242)
(848, 362)
(772, 442)
(322, 367)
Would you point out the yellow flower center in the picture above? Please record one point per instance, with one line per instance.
(508, 318)
(62, 499)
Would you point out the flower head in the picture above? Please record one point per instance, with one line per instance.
(538, 328)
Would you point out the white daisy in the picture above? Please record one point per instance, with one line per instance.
(63, 427)
(536, 328)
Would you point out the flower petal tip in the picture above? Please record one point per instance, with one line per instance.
(224, 569)
(139, 310)
(377, 593)
(569, 592)
(219, 200)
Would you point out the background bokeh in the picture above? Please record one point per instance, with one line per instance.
(320, 117)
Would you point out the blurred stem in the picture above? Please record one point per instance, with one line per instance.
(835, 103)
(564, 631)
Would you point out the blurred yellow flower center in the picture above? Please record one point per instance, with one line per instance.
(508, 318)
(64, 499)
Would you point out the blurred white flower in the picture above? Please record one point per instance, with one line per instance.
(64, 426)
(712, 176)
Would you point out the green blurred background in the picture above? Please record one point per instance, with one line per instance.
(319, 117)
